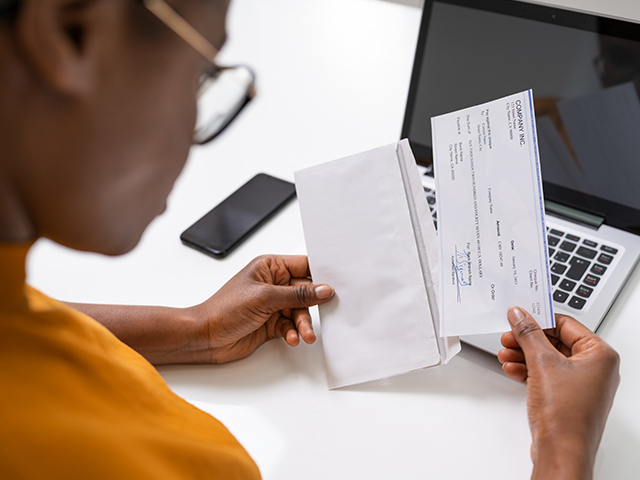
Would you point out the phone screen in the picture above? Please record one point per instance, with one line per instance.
(239, 215)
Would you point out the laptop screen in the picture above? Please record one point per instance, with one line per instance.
(585, 74)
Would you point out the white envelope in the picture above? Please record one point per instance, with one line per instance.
(369, 234)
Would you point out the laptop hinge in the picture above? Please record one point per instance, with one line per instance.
(574, 215)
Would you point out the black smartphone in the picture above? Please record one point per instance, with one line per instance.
(239, 215)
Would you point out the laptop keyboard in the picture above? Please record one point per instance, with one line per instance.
(431, 200)
(578, 265)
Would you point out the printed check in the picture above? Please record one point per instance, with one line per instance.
(491, 216)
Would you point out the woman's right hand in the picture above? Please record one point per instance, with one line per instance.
(572, 376)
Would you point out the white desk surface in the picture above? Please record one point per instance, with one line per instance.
(333, 79)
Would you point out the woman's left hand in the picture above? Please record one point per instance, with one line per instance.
(268, 298)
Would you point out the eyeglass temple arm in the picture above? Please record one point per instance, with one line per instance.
(179, 25)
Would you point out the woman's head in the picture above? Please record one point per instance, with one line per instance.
(97, 110)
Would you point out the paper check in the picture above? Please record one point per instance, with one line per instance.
(490, 216)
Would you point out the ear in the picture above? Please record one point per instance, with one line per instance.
(52, 35)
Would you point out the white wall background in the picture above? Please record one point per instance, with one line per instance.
(617, 8)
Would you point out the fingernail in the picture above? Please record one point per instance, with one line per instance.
(324, 291)
(516, 313)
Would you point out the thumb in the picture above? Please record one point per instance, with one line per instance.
(526, 331)
(299, 296)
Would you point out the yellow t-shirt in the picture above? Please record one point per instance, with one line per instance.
(76, 403)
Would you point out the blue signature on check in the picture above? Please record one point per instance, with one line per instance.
(461, 264)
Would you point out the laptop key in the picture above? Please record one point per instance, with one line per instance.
(560, 296)
(598, 269)
(557, 233)
(554, 279)
(573, 238)
(567, 285)
(567, 246)
(431, 199)
(551, 251)
(605, 258)
(591, 280)
(577, 303)
(584, 291)
(590, 243)
(558, 268)
(553, 241)
(427, 189)
(578, 267)
(586, 252)
(561, 257)
(608, 249)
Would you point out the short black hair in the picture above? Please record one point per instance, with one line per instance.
(8, 8)
(8, 4)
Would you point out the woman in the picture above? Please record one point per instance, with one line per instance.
(98, 110)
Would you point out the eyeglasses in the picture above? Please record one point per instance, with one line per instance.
(223, 91)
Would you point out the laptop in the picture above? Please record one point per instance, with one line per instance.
(584, 70)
